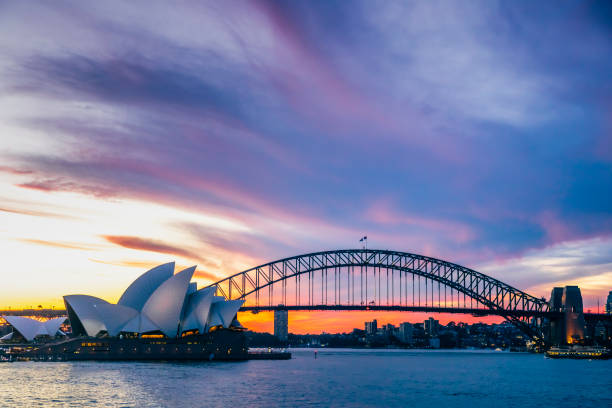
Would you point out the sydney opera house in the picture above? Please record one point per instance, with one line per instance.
(159, 302)
(160, 315)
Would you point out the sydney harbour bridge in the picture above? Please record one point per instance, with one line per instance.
(384, 280)
(370, 279)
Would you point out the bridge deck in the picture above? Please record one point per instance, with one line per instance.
(48, 313)
(471, 311)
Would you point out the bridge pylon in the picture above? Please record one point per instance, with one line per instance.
(567, 325)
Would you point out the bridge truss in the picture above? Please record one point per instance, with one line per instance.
(370, 279)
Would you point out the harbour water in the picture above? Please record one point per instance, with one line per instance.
(337, 377)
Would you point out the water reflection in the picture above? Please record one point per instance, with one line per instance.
(334, 378)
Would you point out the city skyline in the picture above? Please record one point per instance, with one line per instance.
(461, 132)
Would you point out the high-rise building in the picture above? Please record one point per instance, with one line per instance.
(281, 324)
(405, 332)
(371, 327)
(389, 328)
(609, 303)
(431, 326)
(599, 330)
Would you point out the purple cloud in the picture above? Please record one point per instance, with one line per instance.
(460, 130)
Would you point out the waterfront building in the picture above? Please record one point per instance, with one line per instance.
(281, 324)
(434, 342)
(371, 327)
(599, 331)
(405, 332)
(389, 329)
(431, 326)
(609, 303)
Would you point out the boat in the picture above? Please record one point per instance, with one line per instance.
(579, 353)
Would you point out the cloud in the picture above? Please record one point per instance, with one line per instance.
(146, 265)
(252, 245)
(133, 264)
(66, 245)
(383, 212)
(465, 131)
(134, 81)
(143, 244)
(206, 275)
(567, 263)
(34, 213)
(59, 184)
(11, 170)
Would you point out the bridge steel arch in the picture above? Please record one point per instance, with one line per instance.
(494, 295)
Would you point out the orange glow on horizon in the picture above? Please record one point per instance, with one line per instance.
(304, 322)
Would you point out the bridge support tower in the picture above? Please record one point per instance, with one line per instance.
(568, 326)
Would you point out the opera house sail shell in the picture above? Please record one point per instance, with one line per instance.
(29, 329)
(159, 303)
(136, 295)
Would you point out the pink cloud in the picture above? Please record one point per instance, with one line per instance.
(316, 88)
(34, 213)
(383, 212)
(56, 244)
(555, 229)
(60, 184)
(12, 170)
(144, 244)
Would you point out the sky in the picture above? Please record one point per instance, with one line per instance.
(230, 134)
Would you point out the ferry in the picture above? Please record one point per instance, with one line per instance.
(579, 353)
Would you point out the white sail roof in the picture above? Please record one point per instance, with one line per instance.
(222, 313)
(30, 328)
(137, 294)
(146, 325)
(115, 316)
(165, 306)
(132, 326)
(40, 331)
(52, 326)
(7, 337)
(214, 319)
(198, 309)
(85, 313)
(139, 324)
